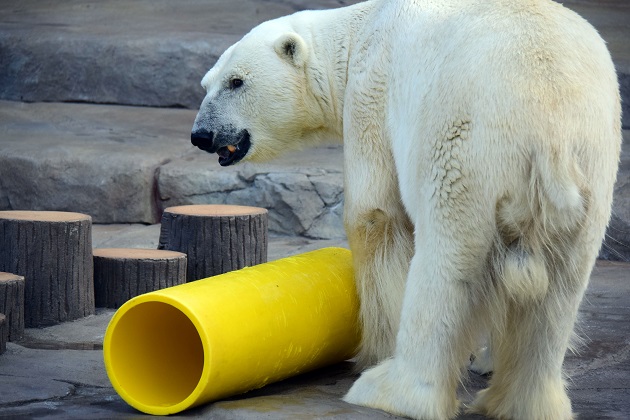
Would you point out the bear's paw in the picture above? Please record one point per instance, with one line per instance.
(399, 392)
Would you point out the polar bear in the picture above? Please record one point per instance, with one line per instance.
(481, 142)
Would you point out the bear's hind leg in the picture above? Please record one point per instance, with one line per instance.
(527, 382)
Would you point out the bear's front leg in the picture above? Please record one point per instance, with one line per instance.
(381, 243)
(420, 381)
(437, 325)
(381, 239)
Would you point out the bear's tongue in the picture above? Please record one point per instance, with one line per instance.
(233, 153)
(225, 152)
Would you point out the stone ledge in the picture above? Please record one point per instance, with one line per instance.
(303, 191)
(95, 159)
(154, 53)
(145, 52)
(126, 164)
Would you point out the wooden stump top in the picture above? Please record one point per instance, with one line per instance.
(9, 277)
(43, 216)
(136, 253)
(205, 210)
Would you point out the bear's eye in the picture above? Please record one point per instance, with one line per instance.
(236, 83)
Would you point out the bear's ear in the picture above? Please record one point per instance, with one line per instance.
(292, 48)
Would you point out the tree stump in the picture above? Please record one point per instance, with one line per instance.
(53, 251)
(12, 303)
(4, 333)
(123, 273)
(216, 238)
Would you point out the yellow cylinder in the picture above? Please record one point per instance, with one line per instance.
(172, 349)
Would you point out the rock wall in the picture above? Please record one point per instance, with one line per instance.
(302, 199)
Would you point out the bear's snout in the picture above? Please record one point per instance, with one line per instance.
(231, 146)
(204, 140)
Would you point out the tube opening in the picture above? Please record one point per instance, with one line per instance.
(156, 355)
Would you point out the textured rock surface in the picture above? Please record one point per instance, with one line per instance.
(126, 164)
(95, 159)
(145, 52)
(154, 52)
(303, 191)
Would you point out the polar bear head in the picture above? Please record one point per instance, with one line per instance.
(258, 101)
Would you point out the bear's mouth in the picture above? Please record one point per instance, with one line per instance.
(233, 153)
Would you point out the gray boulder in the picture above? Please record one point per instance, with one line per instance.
(303, 191)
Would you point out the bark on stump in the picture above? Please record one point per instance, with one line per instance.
(123, 273)
(12, 303)
(216, 238)
(53, 251)
(4, 333)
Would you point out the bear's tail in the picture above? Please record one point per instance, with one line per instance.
(556, 193)
(536, 229)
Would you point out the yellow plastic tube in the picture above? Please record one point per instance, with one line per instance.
(176, 348)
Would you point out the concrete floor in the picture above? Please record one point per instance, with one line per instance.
(58, 372)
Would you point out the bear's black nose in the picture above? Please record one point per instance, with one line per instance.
(204, 140)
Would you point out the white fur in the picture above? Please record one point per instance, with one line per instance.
(481, 362)
(481, 145)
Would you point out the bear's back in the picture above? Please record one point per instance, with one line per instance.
(504, 57)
